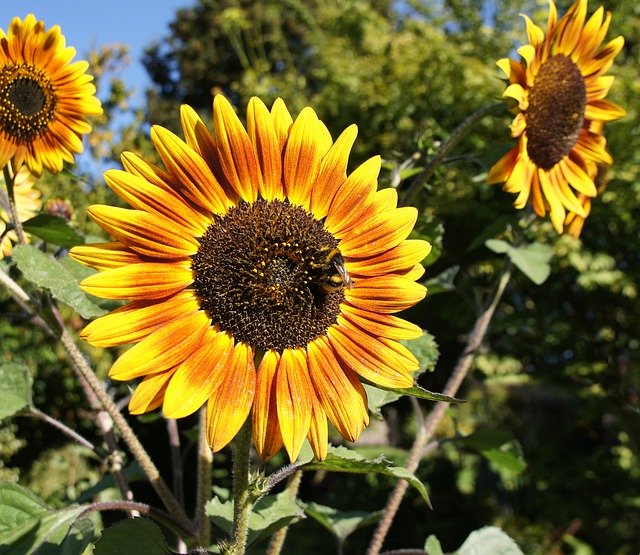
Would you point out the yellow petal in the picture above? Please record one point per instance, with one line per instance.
(265, 425)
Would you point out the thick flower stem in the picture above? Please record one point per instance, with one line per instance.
(203, 493)
(427, 430)
(15, 217)
(242, 499)
(456, 136)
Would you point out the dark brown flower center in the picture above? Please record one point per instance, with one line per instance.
(28, 102)
(260, 273)
(556, 111)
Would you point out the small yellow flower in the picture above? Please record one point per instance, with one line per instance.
(28, 204)
(44, 98)
(260, 278)
(559, 89)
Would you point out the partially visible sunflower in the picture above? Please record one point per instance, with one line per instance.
(559, 89)
(44, 98)
(259, 278)
(28, 204)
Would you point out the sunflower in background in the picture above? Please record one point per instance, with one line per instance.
(559, 89)
(44, 98)
(28, 204)
(260, 278)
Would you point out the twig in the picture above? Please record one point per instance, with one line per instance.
(9, 178)
(427, 430)
(203, 492)
(75, 436)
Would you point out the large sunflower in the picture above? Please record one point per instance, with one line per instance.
(260, 278)
(28, 204)
(44, 98)
(559, 89)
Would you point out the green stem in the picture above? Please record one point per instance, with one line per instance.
(456, 136)
(242, 499)
(428, 429)
(9, 178)
(277, 540)
(203, 492)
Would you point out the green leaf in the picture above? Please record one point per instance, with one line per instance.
(81, 534)
(133, 535)
(46, 272)
(532, 260)
(506, 459)
(443, 282)
(489, 541)
(269, 514)
(340, 524)
(421, 393)
(432, 546)
(499, 448)
(53, 229)
(15, 389)
(29, 527)
(341, 459)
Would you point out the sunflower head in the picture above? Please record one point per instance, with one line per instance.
(28, 204)
(260, 278)
(558, 91)
(44, 97)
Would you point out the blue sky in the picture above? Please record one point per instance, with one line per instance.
(90, 23)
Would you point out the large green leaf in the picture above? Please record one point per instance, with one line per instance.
(498, 447)
(340, 523)
(15, 389)
(46, 272)
(53, 229)
(29, 527)
(443, 282)
(341, 459)
(133, 535)
(532, 260)
(269, 514)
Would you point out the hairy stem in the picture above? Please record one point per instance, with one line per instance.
(72, 434)
(456, 136)
(242, 501)
(203, 492)
(9, 179)
(426, 432)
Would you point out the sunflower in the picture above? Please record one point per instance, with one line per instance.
(44, 98)
(260, 278)
(28, 204)
(559, 89)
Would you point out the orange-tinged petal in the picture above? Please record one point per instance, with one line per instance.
(191, 175)
(104, 256)
(165, 348)
(405, 255)
(237, 157)
(603, 110)
(368, 357)
(353, 196)
(332, 172)
(229, 406)
(135, 165)
(147, 234)
(385, 294)
(137, 319)
(139, 281)
(149, 393)
(380, 325)
(318, 430)
(142, 195)
(577, 177)
(501, 170)
(282, 121)
(557, 211)
(265, 425)
(382, 232)
(293, 397)
(262, 132)
(341, 394)
(196, 379)
(302, 158)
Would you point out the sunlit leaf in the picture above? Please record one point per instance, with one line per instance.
(341, 523)
(46, 272)
(489, 541)
(532, 260)
(53, 229)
